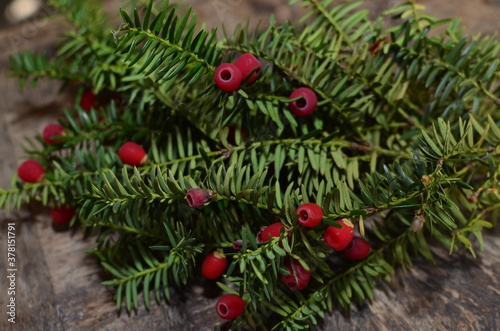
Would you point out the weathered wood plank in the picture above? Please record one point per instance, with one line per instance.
(35, 302)
(458, 293)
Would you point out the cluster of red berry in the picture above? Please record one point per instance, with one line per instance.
(32, 171)
(310, 215)
(228, 77)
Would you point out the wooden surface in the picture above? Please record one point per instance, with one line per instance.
(58, 285)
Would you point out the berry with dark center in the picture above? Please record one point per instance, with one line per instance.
(258, 237)
(298, 278)
(247, 63)
(88, 100)
(197, 197)
(269, 232)
(310, 214)
(304, 106)
(230, 306)
(52, 130)
(214, 265)
(62, 214)
(31, 171)
(339, 238)
(132, 154)
(228, 77)
(358, 249)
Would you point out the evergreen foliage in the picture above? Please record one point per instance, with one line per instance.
(405, 142)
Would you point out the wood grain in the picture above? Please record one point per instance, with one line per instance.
(59, 285)
(458, 293)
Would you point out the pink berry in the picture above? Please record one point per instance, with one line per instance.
(298, 278)
(310, 214)
(304, 106)
(62, 215)
(88, 100)
(228, 77)
(197, 197)
(31, 171)
(273, 230)
(337, 238)
(214, 265)
(238, 245)
(132, 154)
(230, 306)
(248, 63)
(358, 249)
(52, 130)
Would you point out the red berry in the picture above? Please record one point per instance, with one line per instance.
(258, 237)
(228, 77)
(298, 278)
(197, 197)
(248, 63)
(31, 171)
(62, 215)
(230, 306)
(337, 238)
(52, 130)
(304, 106)
(132, 154)
(310, 214)
(273, 230)
(358, 249)
(214, 265)
(88, 100)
